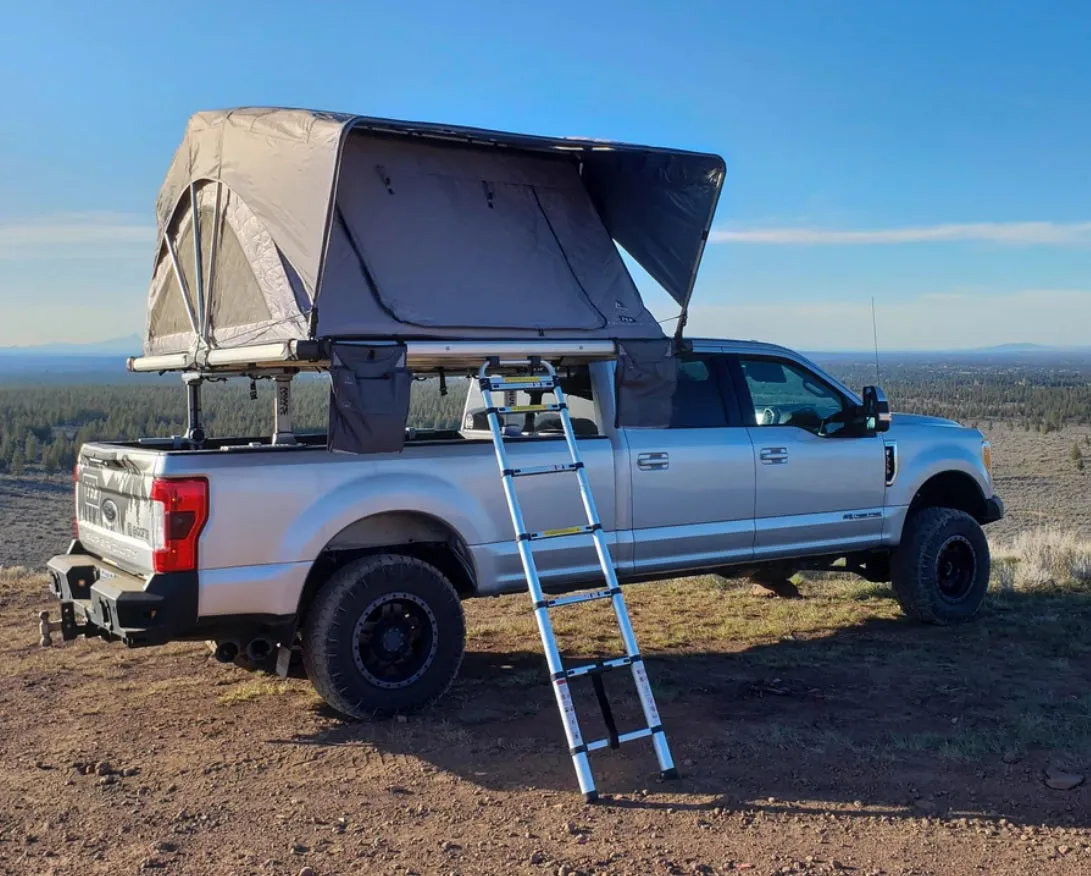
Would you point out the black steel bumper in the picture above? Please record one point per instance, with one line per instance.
(100, 600)
(994, 510)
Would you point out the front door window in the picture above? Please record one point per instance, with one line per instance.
(784, 394)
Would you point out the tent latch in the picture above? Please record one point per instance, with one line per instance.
(384, 177)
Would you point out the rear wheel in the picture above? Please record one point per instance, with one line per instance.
(941, 569)
(384, 635)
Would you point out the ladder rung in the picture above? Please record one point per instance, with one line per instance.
(598, 666)
(530, 470)
(576, 598)
(523, 381)
(524, 409)
(560, 533)
(622, 737)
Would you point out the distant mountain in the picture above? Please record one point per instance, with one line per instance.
(130, 345)
(1030, 348)
(1001, 350)
(97, 362)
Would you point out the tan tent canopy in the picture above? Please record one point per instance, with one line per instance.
(313, 225)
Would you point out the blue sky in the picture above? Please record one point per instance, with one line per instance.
(934, 155)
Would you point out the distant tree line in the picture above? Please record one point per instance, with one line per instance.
(41, 426)
(1034, 398)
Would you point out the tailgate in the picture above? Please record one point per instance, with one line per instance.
(114, 511)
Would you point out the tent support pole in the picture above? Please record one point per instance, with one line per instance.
(197, 272)
(206, 317)
(282, 410)
(181, 284)
(194, 430)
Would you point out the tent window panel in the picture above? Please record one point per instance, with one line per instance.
(237, 298)
(451, 252)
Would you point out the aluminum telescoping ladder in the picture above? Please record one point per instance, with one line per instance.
(542, 378)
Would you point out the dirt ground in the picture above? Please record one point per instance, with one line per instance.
(813, 736)
(36, 512)
(1039, 482)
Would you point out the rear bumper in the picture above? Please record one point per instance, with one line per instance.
(994, 510)
(100, 600)
(97, 599)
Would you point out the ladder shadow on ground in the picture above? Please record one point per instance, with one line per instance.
(885, 718)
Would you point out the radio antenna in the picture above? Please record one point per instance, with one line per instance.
(875, 336)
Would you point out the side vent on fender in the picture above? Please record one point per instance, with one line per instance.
(891, 454)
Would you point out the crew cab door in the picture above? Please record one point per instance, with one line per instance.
(818, 490)
(693, 483)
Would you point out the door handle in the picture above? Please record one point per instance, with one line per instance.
(657, 461)
(774, 455)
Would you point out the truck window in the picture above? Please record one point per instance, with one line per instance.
(576, 383)
(785, 394)
(430, 409)
(582, 408)
(698, 402)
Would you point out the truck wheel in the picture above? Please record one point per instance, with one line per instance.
(940, 571)
(384, 635)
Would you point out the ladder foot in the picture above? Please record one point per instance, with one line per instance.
(672, 773)
(590, 796)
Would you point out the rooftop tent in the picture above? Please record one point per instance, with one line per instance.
(315, 225)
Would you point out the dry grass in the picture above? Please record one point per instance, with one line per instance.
(255, 689)
(1042, 557)
(10, 575)
(692, 615)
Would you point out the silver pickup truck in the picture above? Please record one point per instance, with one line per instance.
(360, 562)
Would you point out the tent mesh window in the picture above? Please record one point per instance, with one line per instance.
(246, 303)
(168, 315)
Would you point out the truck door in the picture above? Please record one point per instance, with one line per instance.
(693, 483)
(818, 491)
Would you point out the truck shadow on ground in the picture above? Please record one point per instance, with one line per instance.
(883, 718)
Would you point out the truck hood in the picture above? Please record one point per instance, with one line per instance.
(922, 420)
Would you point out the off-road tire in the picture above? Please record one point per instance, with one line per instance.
(334, 660)
(921, 568)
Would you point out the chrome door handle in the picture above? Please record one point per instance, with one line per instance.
(774, 455)
(657, 461)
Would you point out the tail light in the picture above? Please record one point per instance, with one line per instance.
(76, 496)
(179, 513)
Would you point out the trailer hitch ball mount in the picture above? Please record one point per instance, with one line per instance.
(66, 626)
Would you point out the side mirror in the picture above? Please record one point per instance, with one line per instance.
(876, 410)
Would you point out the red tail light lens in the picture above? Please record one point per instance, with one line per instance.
(178, 522)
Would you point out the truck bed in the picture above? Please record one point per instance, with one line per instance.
(273, 509)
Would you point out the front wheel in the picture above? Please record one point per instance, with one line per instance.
(940, 571)
(385, 635)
